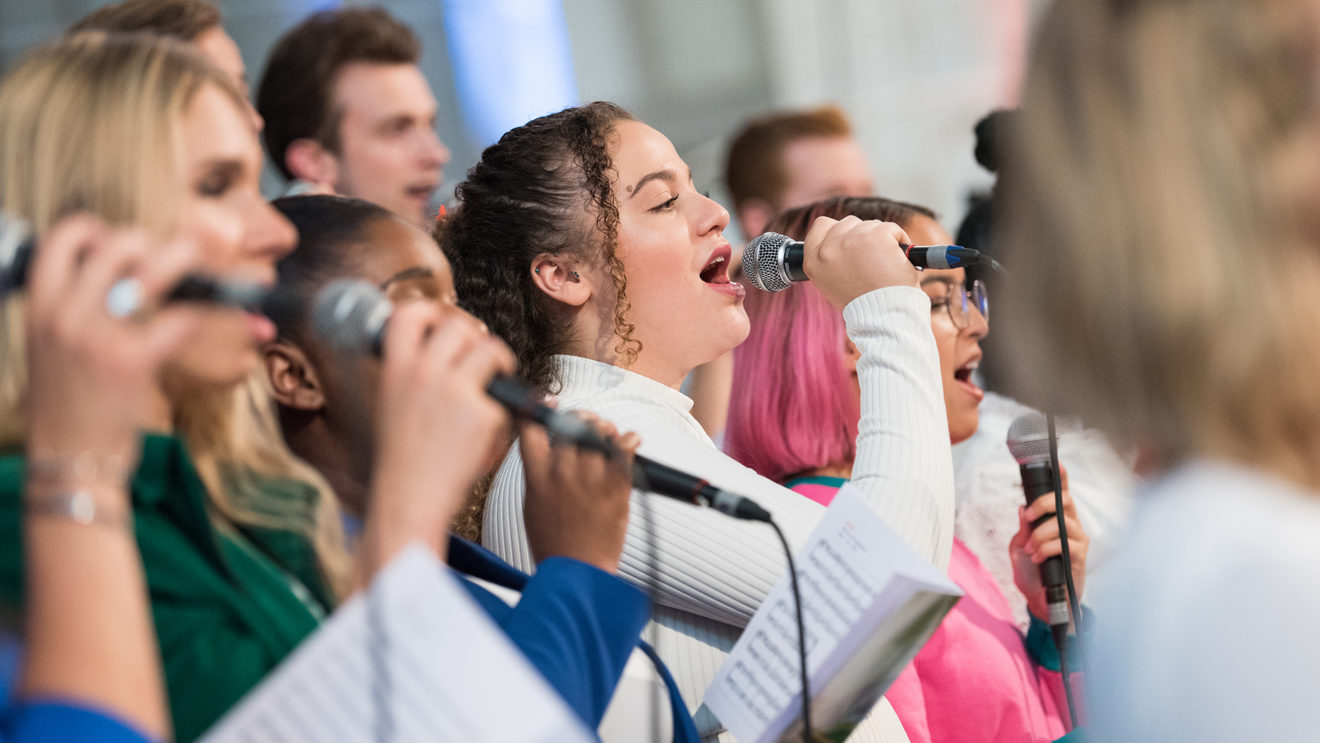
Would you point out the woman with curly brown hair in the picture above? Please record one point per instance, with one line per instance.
(581, 239)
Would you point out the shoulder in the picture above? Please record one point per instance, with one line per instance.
(1214, 575)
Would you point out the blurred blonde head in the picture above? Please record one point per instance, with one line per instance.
(1162, 226)
(91, 123)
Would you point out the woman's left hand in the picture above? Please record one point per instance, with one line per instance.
(1031, 547)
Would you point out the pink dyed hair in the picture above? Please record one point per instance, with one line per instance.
(793, 407)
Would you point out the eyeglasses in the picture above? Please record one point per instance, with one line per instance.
(960, 300)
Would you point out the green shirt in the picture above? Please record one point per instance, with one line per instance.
(226, 605)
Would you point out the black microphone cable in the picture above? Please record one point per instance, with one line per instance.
(653, 583)
(1061, 633)
(653, 590)
(807, 736)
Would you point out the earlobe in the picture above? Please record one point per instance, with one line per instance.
(553, 275)
(292, 377)
(851, 355)
(310, 161)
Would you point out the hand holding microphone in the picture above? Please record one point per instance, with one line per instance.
(774, 262)
(90, 373)
(577, 500)
(435, 424)
(1038, 541)
(850, 257)
(126, 297)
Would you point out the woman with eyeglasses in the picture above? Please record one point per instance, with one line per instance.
(794, 417)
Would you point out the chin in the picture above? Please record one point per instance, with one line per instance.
(964, 428)
(737, 328)
(214, 372)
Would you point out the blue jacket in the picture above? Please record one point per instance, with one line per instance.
(576, 623)
(40, 721)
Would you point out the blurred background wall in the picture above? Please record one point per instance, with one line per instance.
(915, 75)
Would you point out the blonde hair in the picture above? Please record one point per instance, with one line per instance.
(1162, 237)
(89, 124)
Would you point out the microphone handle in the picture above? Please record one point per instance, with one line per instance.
(526, 404)
(1037, 481)
(921, 256)
(648, 474)
(653, 477)
(16, 260)
(795, 253)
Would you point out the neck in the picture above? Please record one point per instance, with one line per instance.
(603, 348)
(841, 469)
(310, 438)
(159, 414)
(594, 338)
(664, 374)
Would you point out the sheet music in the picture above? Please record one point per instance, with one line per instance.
(412, 659)
(860, 582)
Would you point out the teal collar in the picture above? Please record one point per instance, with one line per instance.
(832, 482)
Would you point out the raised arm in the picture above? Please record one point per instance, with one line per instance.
(721, 568)
(89, 634)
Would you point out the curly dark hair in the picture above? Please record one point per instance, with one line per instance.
(525, 197)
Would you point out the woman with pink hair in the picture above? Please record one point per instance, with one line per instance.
(794, 419)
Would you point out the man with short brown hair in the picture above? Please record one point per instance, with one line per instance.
(782, 160)
(793, 158)
(348, 110)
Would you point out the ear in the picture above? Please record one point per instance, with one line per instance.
(310, 161)
(562, 279)
(851, 355)
(292, 377)
(754, 216)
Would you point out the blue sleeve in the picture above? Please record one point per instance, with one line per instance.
(48, 721)
(577, 624)
(9, 661)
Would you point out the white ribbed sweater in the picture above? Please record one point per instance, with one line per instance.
(715, 571)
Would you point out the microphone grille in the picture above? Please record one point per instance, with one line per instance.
(15, 251)
(1029, 439)
(349, 314)
(761, 262)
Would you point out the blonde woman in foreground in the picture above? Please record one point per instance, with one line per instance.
(238, 545)
(1166, 255)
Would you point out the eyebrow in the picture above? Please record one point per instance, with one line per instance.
(231, 167)
(937, 280)
(416, 272)
(659, 175)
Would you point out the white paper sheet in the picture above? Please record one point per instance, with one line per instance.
(413, 659)
(869, 602)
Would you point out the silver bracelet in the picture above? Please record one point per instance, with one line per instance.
(79, 467)
(79, 507)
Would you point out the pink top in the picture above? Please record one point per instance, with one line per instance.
(974, 679)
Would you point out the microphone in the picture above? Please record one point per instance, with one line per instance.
(351, 315)
(773, 262)
(17, 245)
(1029, 442)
